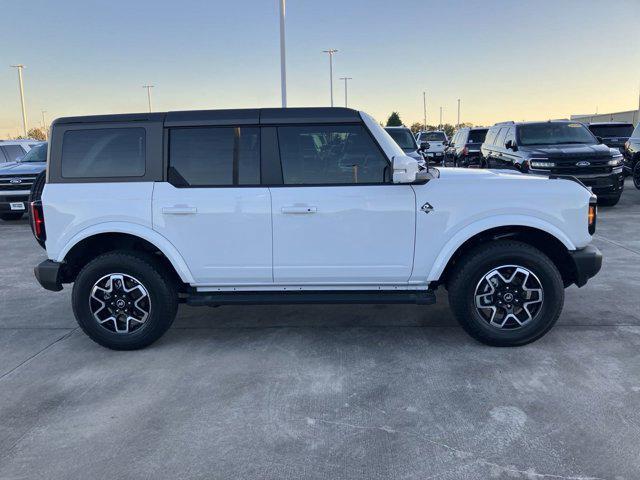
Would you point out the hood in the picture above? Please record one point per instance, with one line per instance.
(481, 174)
(569, 152)
(414, 154)
(20, 168)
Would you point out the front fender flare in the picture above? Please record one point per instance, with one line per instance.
(468, 231)
(146, 233)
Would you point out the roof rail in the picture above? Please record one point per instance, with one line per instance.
(509, 122)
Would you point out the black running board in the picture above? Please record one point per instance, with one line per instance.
(422, 297)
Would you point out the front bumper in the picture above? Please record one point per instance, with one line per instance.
(48, 274)
(6, 202)
(610, 185)
(587, 263)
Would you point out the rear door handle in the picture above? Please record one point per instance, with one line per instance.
(179, 210)
(299, 209)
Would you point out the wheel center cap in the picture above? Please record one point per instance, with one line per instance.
(120, 303)
(508, 297)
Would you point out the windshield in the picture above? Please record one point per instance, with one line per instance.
(432, 137)
(611, 130)
(554, 134)
(403, 138)
(477, 136)
(36, 154)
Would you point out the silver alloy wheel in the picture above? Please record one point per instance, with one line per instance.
(119, 302)
(508, 297)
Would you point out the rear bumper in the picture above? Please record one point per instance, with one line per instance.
(587, 262)
(48, 275)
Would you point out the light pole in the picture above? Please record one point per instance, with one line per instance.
(331, 51)
(283, 59)
(440, 127)
(44, 124)
(424, 106)
(149, 87)
(458, 113)
(345, 88)
(24, 110)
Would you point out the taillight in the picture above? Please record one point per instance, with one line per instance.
(37, 220)
(464, 152)
(593, 216)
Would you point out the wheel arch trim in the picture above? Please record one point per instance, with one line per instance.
(475, 228)
(140, 231)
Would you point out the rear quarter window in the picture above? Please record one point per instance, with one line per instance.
(104, 152)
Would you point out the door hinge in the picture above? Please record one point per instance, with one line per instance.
(427, 207)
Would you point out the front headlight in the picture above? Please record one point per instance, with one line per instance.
(541, 164)
(615, 161)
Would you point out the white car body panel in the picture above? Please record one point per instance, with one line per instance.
(352, 235)
(227, 238)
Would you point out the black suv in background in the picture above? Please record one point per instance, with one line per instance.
(560, 148)
(632, 156)
(464, 148)
(612, 134)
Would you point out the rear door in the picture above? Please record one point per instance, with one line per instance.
(337, 218)
(213, 208)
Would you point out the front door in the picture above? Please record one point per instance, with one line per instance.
(213, 208)
(337, 219)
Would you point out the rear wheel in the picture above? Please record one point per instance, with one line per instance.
(124, 300)
(11, 216)
(636, 175)
(506, 293)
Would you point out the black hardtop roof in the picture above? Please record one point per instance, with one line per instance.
(249, 116)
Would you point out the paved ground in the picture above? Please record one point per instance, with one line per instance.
(369, 392)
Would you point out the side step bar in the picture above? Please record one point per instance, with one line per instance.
(310, 297)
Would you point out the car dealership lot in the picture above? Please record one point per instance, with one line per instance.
(324, 391)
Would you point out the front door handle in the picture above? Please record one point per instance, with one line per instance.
(179, 210)
(299, 209)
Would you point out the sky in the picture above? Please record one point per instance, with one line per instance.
(505, 60)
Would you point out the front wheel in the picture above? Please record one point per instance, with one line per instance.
(124, 300)
(636, 175)
(506, 293)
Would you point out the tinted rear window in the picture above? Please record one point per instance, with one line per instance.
(611, 130)
(104, 153)
(636, 132)
(432, 137)
(477, 136)
(214, 156)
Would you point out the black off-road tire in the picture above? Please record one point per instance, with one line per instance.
(636, 174)
(478, 262)
(11, 216)
(154, 278)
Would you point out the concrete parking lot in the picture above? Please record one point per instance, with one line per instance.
(327, 392)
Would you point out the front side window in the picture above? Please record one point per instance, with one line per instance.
(104, 152)
(511, 135)
(499, 141)
(210, 156)
(403, 138)
(13, 152)
(330, 154)
(550, 133)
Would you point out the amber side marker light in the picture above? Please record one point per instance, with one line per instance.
(593, 215)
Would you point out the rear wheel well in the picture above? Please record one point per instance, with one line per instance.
(89, 248)
(543, 241)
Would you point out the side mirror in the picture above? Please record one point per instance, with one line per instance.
(510, 144)
(405, 169)
(424, 146)
(600, 140)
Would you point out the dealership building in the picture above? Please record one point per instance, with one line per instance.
(630, 116)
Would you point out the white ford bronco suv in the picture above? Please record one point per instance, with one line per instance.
(301, 205)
